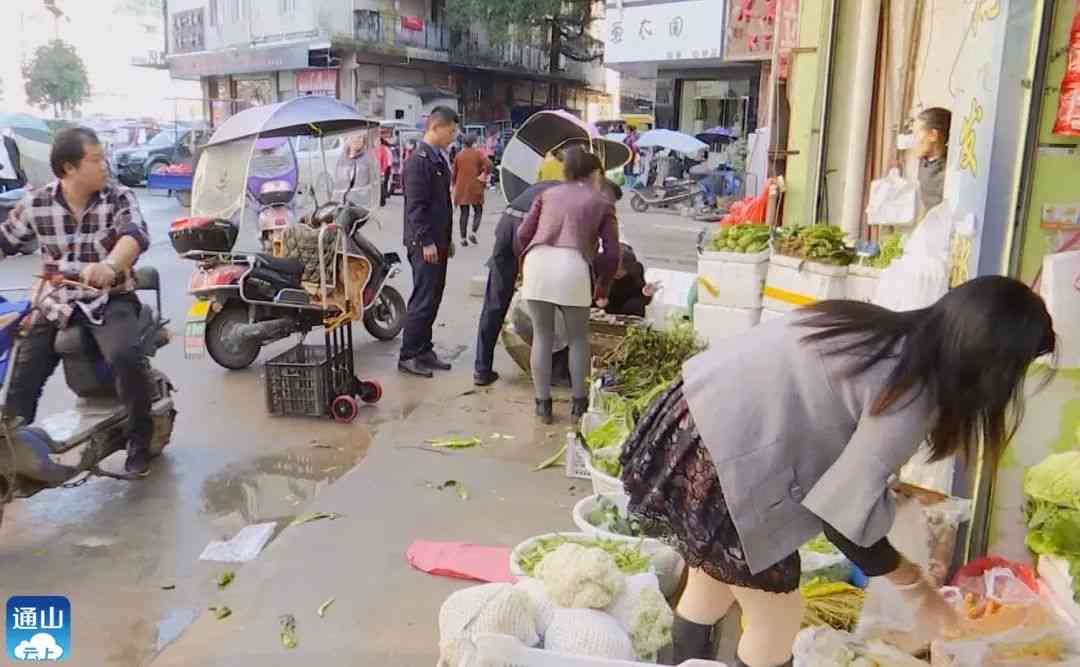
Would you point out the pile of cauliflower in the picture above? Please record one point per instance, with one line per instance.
(579, 603)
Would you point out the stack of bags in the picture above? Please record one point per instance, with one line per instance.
(580, 603)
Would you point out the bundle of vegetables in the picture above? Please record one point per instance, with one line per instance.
(647, 360)
(891, 248)
(821, 561)
(607, 516)
(627, 557)
(747, 238)
(831, 603)
(818, 243)
(1052, 491)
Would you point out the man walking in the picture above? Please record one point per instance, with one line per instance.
(428, 232)
(502, 277)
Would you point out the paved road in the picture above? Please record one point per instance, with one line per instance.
(112, 546)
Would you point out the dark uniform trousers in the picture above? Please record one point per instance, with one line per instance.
(502, 277)
(429, 283)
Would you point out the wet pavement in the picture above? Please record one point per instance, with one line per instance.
(126, 554)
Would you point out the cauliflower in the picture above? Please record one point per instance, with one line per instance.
(588, 632)
(541, 604)
(580, 577)
(490, 608)
(643, 612)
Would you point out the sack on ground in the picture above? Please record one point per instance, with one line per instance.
(542, 606)
(588, 632)
(489, 608)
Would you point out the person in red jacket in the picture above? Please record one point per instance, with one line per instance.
(382, 154)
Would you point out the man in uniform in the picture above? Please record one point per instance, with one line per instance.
(428, 228)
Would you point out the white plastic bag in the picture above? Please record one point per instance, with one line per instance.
(822, 646)
(1051, 645)
(1060, 286)
(920, 276)
(892, 200)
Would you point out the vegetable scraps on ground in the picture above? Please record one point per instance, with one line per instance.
(746, 238)
(818, 243)
(1052, 490)
(627, 557)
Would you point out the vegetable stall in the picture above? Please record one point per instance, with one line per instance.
(608, 589)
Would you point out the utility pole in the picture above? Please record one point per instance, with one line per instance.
(57, 15)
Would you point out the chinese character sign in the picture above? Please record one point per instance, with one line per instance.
(650, 30)
(38, 628)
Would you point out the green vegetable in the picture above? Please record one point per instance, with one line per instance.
(831, 603)
(1052, 510)
(454, 443)
(628, 558)
(558, 458)
(647, 358)
(288, 631)
(612, 433)
(315, 516)
(221, 613)
(892, 247)
(747, 238)
(324, 606)
(818, 243)
(606, 515)
(820, 545)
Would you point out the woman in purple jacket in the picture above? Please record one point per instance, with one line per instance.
(569, 230)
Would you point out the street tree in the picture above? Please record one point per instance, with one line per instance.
(56, 76)
(563, 26)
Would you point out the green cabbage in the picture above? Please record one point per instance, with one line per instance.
(1053, 510)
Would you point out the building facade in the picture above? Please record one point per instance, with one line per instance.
(392, 59)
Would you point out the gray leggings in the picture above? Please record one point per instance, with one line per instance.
(542, 314)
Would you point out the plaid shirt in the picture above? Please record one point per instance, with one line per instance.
(70, 243)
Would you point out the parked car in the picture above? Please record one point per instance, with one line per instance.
(176, 146)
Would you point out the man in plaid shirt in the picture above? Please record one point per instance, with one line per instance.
(86, 226)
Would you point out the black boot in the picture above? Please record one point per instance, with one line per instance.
(789, 663)
(580, 407)
(543, 411)
(692, 641)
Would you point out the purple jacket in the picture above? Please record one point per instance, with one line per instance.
(575, 215)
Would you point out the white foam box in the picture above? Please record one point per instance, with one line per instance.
(792, 283)
(671, 303)
(714, 324)
(767, 315)
(736, 278)
(1058, 288)
(861, 283)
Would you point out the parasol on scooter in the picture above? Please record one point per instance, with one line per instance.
(543, 132)
(666, 191)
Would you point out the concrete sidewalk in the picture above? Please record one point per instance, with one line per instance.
(385, 613)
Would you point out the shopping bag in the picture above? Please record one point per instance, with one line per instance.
(892, 201)
(921, 275)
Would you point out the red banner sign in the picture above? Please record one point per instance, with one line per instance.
(412, 23)
(317, 82)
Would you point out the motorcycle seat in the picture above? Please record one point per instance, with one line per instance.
(286, 266)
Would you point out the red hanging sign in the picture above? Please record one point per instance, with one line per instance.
(1067, 121)
(412, 23)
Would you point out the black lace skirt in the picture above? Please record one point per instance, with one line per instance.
(671, 480)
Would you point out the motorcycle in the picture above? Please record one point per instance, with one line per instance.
(65, 448)
(672, 191)
(272, 181)
(329, 272)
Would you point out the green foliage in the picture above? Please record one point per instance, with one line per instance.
(56, 77)
(567, 21)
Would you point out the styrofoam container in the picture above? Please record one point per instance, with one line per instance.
(491, 649)
(792, 283)
(861, 283)
(717, 323)
(767, 315)
(672, 300)
(738, 278)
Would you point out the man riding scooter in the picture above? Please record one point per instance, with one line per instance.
(92, 228)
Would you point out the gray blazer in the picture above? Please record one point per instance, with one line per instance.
(793, 440)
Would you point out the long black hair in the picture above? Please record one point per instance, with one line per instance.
(971, 349)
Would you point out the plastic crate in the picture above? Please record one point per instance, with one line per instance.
(490, 650)
(301, 381)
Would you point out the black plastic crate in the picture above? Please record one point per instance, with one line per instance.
(304, 381)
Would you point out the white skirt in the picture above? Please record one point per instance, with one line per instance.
(556, 275)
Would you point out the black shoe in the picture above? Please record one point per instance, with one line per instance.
(484, 378)
(543, 411)
(414, 367)
(137, 465)
(432, 361)
(472, 239)
(464, 243)
(692, 641)
(580, 407)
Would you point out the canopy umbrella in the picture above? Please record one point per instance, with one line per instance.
(544, 132)
(312, 115)
(670, 139)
